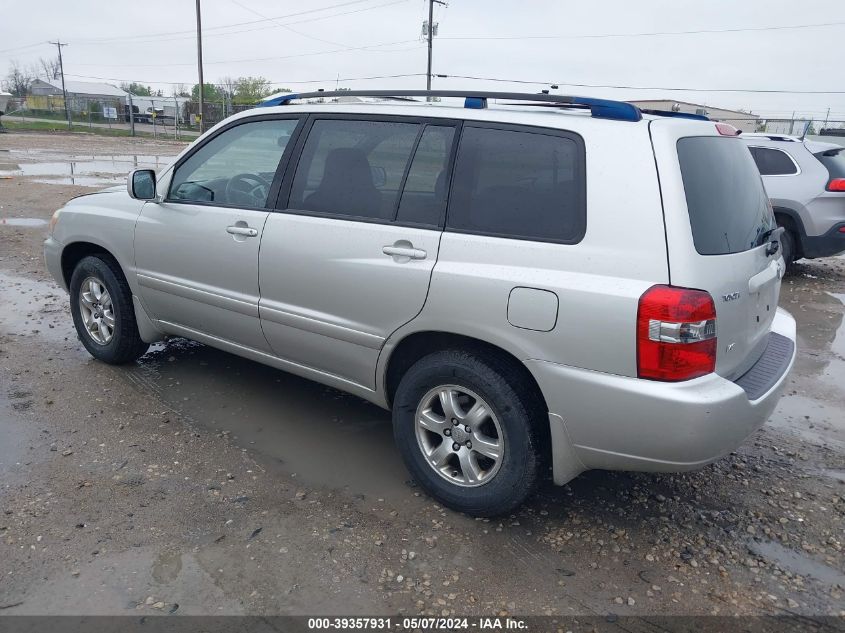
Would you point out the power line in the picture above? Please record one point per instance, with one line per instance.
(162, 37)
(262, 59)
(272, 83)
(651, 34)
(563, 83)
(285, 26)
(18, 48)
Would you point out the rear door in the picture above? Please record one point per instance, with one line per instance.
(717, 217)
(348, 258)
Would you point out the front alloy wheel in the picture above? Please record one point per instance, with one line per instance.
(97, 311)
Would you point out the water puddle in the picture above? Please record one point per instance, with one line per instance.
(24, 222)
(326, 437)
(35, 308)
(797, 563)
(84, 171)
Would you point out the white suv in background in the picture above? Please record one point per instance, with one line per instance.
(531, 283)
(805, 180)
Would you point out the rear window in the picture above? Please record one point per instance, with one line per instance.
(519, 184)
(834, 160)
(728, 207)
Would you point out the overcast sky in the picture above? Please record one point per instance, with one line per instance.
(153, 42)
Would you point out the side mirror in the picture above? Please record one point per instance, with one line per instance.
(141, 184)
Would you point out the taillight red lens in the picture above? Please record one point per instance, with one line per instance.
(837, 184)
(676, 334)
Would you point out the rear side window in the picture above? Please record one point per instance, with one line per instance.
(519, 184)
(729, 210)
(353, 168)
(424, 194)
(773, 162)
(834, 160)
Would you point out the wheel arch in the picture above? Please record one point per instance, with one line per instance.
(74, 252)
(791, 220)
(412, 347)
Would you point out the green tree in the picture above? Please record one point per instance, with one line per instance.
(209, 93)
(139, 90)
(248, 90)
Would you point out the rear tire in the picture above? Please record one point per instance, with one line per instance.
(787, 245)
(479, 452)
(103, 313)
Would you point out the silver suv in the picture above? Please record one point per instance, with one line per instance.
(531, 283)
(806, 181)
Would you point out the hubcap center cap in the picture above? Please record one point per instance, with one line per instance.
(459, 435)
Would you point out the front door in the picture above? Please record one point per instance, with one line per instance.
(196, 252)
(349, 260)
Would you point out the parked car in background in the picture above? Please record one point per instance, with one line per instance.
(565, 287)
(805, 180)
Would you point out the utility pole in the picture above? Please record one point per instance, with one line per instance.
(430, 35)
(62, 70)
(199, 60)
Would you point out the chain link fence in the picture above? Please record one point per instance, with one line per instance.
(166, 117)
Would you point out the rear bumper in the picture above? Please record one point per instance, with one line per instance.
(826, 245)
(622, 423)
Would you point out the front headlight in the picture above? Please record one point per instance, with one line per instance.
(54, 220)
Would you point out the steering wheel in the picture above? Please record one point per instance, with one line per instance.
(247, 189)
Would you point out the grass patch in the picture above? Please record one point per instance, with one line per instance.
(61, 126)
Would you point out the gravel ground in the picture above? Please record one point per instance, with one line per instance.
(197, 482)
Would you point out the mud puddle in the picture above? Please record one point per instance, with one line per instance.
(93, 171)
(35, 308)
(322, 436)
(797, 563)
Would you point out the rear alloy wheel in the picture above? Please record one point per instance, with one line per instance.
(467, 432)
(459, 435)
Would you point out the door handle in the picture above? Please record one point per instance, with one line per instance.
(404, 251)
(242, 230)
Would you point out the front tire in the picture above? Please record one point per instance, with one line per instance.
(101, 305)
(467, 433)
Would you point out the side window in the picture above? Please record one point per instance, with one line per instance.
(773, 162)
(353, 168)
(524, 185)
(424, 194)
(236, 167)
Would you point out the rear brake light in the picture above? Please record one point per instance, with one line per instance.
(726, 129)
(676, 334)
(837, 184)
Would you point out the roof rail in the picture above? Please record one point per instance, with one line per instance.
(679, 115)
(599, 108)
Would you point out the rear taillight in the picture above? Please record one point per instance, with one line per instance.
(837, 184)
(676, 334)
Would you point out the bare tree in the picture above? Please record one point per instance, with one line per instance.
(180, 90)
(227, 86)
(49, 68)
(19, 79)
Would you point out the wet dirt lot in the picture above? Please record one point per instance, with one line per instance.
(197, 482)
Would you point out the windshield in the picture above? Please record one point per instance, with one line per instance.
(728, 206)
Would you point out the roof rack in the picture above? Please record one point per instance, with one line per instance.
(599, 108)
(678, 115)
